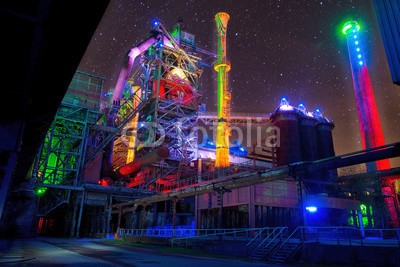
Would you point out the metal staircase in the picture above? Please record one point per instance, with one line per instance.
(100, 135)
(288, 248)
(263, 244)
(53, 200)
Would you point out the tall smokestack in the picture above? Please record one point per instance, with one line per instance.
(222, 66)
(368, 117)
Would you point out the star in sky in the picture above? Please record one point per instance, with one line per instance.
(277, 48)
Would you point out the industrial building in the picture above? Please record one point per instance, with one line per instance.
(130, 158)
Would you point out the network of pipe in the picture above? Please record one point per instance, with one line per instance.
(171, 76)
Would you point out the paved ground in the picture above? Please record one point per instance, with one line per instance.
(91, 252)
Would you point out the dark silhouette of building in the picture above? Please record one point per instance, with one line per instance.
(388, 13)
(42, 45)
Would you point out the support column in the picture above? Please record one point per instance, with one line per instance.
(155, 215)
(119, 217)
(220, 211)
(360, 220)
(196, 215)
(80, 214)
(174, 216)
(299, 182)
(300, 200)
(104, 222)
(134, 218)
(166, 213)
(252, 213)
(72, 233)
(108, 228)
(12, 160)
(143, 217)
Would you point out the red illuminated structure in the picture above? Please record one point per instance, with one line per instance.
(368, 117)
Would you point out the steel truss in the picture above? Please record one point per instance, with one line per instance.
(168, 82)
(62, 154)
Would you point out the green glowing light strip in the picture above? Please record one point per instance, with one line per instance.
(348, 25)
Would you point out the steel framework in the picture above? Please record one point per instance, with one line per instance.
(165, 87)
(60, 161)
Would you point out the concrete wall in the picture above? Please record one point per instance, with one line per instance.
(350, 255)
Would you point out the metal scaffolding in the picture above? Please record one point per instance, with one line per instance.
(159, 107)
(166, 87)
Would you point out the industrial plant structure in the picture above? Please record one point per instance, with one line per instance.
(129, 158)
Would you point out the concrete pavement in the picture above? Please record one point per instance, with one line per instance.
(93, 252)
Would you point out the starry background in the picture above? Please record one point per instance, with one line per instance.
(286, 48)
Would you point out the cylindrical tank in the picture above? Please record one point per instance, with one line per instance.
(325, 140)
(325, 145)
(309, 145)
(309, 140)
(289, 149)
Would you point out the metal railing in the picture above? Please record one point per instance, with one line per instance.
(182, 236)
(290, 245)
(353, 236)
(257, 239)
(381, 234)
(269, 239)
(340, 235)
(209, 236)
(263, 237)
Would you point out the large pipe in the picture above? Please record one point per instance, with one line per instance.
(153, 156)
(128, 64)
(222, 66)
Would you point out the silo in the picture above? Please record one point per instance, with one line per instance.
(308, 135)
(286, 118)
(325, 143)
(309, 145)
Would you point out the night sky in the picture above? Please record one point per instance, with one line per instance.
(287, 48)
